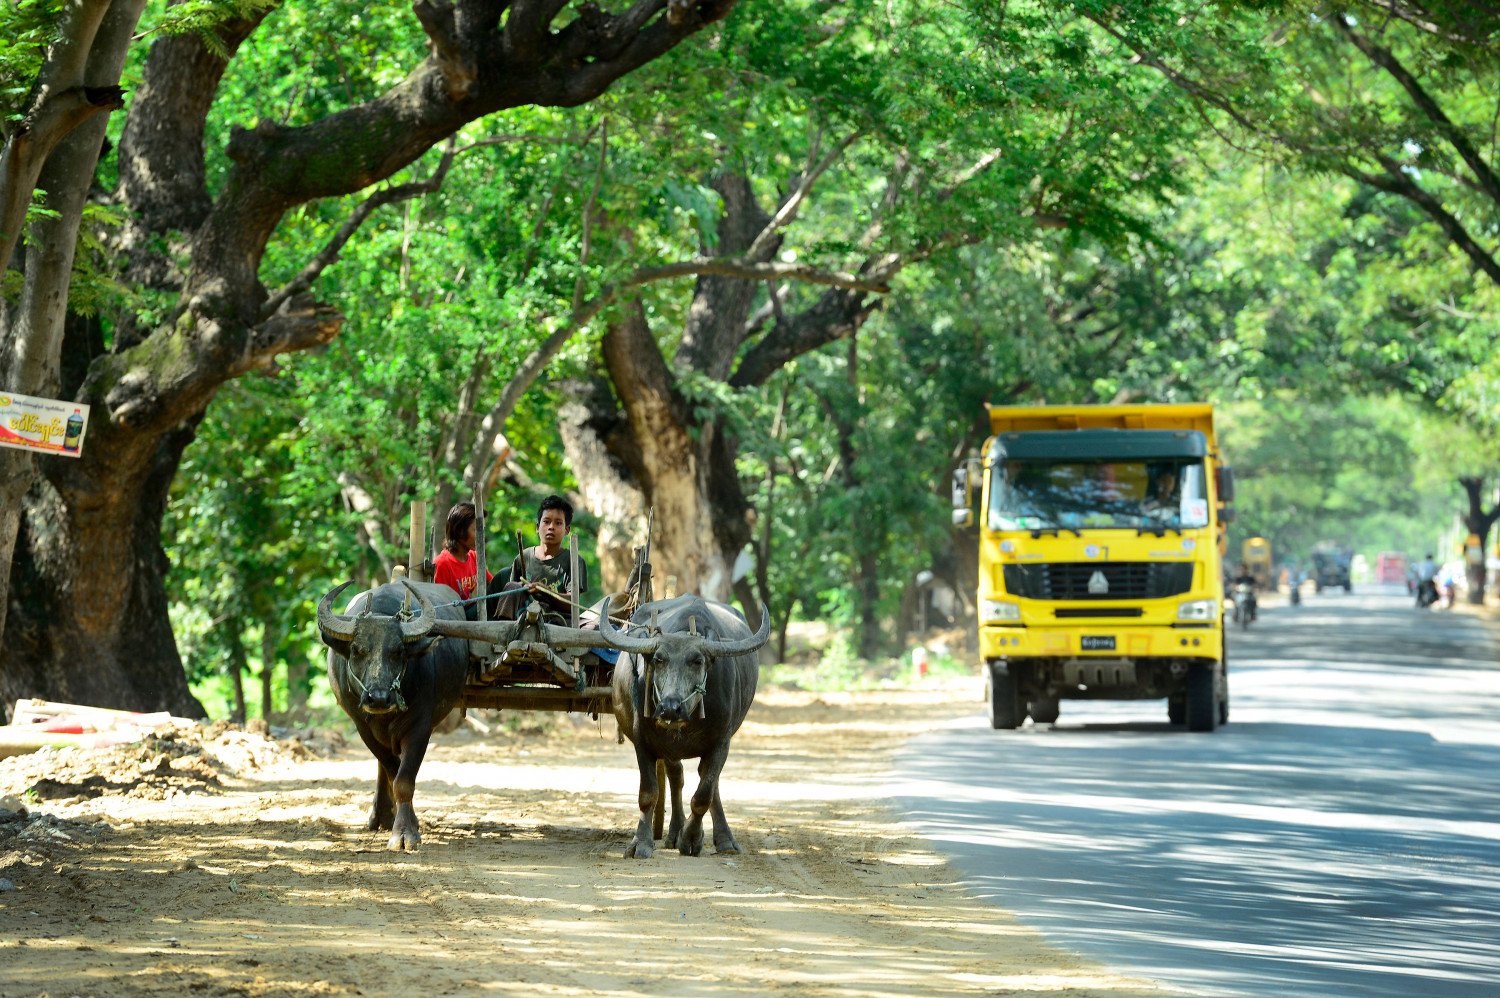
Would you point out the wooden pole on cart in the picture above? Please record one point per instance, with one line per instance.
(416, 558)
(573, 581)
(481, 590)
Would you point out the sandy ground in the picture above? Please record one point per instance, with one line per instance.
(225, 864)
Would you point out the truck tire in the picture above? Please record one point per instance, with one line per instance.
(1044, 711)
(1202, 697)
(1177, 710)
(1005, 701)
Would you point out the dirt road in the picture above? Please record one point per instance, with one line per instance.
(238, 866)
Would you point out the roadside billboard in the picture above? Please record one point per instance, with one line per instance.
(46, 426)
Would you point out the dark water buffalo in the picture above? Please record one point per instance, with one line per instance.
(681, 693)
(396, 679)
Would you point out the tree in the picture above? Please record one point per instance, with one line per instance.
(194, 253)
(903, 157)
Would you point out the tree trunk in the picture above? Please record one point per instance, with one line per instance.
(673, 465)
(268, 644)
(1479, 522)
(237, 668)
(89, 619)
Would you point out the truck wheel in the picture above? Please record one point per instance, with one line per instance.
(1005, 702)
(1224, 690)
(1176, 709)
(1202, 698)
(1044, 711)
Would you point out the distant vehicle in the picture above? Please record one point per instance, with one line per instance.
(1256, 554)
(1391, 567)
(1331, 567)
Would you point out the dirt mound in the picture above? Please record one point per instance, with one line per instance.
(169, 762)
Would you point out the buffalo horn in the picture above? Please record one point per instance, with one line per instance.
(624, 642)
(411, 630)
(335, 625)
(744, 645)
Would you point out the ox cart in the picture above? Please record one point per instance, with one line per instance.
(531, 663)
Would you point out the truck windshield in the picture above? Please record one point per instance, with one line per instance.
(1075, 495)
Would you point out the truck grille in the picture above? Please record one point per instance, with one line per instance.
(1069, 580)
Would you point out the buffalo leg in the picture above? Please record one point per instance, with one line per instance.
(690, 841)
(383, 813)
(405, 833)
(723, 837)
(644, 844)
(656, 818)
(674, 781)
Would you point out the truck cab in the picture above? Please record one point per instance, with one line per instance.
(1101, 534)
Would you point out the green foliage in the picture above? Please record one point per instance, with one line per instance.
(1081, 230)
(1353, 472)
(26, 29)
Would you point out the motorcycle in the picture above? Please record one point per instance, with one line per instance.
(1244, 603)
(1427, 593)
(1296, 593)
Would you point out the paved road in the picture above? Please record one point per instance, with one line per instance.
(1341, 836)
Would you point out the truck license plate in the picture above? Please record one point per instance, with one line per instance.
(1098, 642)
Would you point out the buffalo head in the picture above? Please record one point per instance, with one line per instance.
(677, 661)
(377, 648)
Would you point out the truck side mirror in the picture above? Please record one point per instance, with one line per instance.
(1226, 515)
(961, 488)
(1224, 482)
(963, 517)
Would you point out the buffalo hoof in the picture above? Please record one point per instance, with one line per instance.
(690, 841)
(727, 846)
(380, 822)
(639, 850)
(404, 840)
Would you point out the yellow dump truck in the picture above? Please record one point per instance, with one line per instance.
(1101, 538)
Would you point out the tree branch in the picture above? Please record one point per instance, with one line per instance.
(1386, 60)
(536, 362)
(330, 253)
(454, 60)
(58, 104)
(1395, 180)
(787, 212)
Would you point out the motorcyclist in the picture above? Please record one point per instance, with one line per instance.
(1243, 585)
(1427, 571)
(1294, 577)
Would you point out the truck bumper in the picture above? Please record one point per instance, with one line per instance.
(1105, 642)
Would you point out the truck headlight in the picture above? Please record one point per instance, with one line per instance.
(1198, 609)
(991, 610)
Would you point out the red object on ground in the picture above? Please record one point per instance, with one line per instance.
(62, 728)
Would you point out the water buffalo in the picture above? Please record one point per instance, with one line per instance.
(681, 693)
(396, 679)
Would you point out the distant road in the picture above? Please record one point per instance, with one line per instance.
(1340, 836)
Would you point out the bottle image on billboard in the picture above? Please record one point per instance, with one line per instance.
(75, 431)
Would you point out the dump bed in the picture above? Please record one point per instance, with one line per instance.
(1186, 416)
